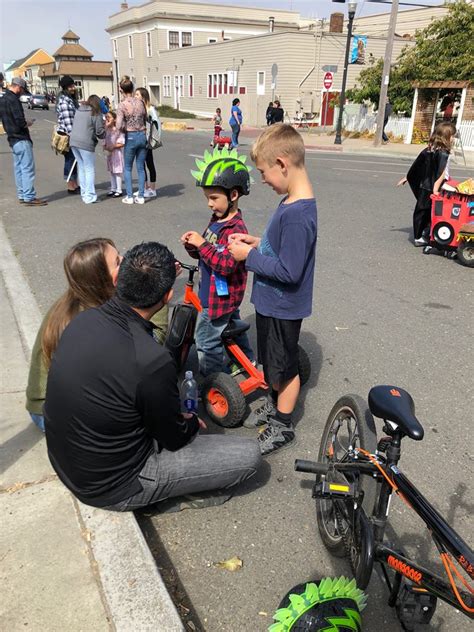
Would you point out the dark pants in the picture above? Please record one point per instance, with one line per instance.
(421, 219)
(150, 163)
(68, 162)
(208, 462)
(384, 135)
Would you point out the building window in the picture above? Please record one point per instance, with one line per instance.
(261, 82)
(148, 44)
(242, 90)
(166, 85)
(130, 47)
(114, 46)
(190, 85)
(173, 39)
(180, 85)
(145, 82)
(186, 39)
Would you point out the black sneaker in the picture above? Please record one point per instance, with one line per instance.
(260, 416)
(275, 437)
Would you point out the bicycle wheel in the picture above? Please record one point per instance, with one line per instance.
(345, 531)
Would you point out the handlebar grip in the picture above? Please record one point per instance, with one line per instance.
(311, 467)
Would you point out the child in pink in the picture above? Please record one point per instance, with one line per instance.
(113, 145)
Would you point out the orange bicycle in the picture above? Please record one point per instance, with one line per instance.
(223, 394)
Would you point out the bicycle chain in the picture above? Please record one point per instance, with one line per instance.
(347, 540)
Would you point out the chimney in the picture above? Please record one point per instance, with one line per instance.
(271, 24)
(336, 23)
(123, 6)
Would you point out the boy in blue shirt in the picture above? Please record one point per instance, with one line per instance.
(283, 261)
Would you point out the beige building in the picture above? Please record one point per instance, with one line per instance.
(196, 57)
(71, 58)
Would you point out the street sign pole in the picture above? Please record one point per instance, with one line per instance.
(351, 14)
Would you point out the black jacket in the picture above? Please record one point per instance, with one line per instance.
(422, 175)
(112, 389)
(13, 118)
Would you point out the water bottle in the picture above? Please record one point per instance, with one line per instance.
(189, 394)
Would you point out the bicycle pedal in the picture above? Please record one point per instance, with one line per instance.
(414, 606)
(326, 489)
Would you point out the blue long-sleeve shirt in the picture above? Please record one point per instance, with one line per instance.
(284, 262)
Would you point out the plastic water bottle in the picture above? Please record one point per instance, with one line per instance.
(189, 394)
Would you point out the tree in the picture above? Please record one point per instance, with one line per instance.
(443, 51)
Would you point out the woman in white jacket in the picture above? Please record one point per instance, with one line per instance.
(150, 185)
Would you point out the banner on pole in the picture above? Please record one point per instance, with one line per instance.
(359, 44)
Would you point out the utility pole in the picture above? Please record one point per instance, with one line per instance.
(386, 73)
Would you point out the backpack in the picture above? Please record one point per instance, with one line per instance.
(153, 133)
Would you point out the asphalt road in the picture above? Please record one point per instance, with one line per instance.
(383, 313)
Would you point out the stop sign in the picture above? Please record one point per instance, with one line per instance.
(327, 81)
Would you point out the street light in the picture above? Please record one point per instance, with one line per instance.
(351, 9)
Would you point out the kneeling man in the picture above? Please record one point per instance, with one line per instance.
(114, 430)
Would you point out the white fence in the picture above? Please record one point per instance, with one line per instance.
(466, 131)
(397, 125)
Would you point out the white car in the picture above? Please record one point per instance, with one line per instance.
(25, 98)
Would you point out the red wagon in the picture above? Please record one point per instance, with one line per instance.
(450, 210)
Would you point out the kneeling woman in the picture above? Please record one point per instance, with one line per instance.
(91, 269)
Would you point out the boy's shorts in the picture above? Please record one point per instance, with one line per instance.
(277, 342)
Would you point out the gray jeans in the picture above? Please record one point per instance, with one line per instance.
(209, 462)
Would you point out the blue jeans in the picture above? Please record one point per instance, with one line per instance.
(209, 345)
(24, 168)
(38, 420)
(86, 166)
(68, 162)
(135, 147)
(235, 134)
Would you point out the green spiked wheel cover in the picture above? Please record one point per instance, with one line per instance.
(331, 605)
(223, 168)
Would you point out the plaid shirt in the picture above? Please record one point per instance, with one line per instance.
(65, 109)
(224, 264)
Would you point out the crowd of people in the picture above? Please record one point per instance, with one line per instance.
(125, 136)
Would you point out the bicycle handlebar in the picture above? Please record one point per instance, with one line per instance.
(311, 467)
(187, 266)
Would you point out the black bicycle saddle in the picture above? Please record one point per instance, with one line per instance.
(396, 405)
(233, 330)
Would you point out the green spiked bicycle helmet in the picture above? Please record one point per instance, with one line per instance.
(331, 605)
(223, 168)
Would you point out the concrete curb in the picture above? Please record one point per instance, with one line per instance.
(134, 592)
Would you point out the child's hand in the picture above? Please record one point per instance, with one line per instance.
(243, 238)
(239, 250)
(192, 238)
(178, 268)
(402, 182)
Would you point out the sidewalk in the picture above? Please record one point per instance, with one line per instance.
(315, 140)
(65, 566)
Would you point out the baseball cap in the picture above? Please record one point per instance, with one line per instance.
(18, 81)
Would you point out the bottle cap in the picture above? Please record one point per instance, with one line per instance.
(188, 375)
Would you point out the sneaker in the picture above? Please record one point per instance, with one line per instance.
(127, 200)
(260, 416)
(139, 200)
(35, 202)
(421, 241)
(135, 194)
(117, 194)
(150, 193)
(111, 194)
(275, 437)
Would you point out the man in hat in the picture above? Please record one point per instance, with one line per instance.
(19, 139)
(66, 107)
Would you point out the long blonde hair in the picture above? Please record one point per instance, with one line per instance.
(145, 95)
(90, 285)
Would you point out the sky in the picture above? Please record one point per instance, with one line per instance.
(41, 23)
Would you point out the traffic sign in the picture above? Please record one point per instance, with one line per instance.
(327, 81)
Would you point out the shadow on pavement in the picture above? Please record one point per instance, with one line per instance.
(16, 447)
(170, 190)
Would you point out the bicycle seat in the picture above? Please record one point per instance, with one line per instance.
(397, 406)
(233, 330)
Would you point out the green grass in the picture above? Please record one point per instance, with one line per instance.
(169, 112)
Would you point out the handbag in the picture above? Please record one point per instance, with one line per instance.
(59, 141)
(153, 134)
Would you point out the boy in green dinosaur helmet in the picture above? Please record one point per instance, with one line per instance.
(224, 178)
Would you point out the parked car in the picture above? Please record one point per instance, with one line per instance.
(38, 101)
(25, 98)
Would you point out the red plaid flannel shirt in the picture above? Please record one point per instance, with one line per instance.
(224, 264)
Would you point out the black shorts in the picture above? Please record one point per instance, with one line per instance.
(277, 342)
